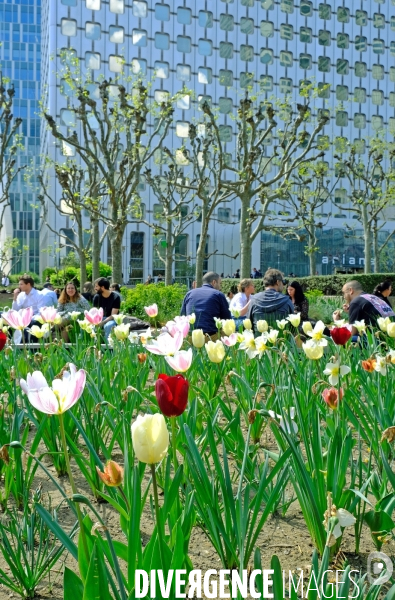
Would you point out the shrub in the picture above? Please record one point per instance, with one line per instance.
(168, 298)
(15, 278)
(48, 272)
(104, 271)
(60, 278)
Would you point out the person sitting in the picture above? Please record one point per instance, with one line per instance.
(87, 291)
(383, 290)
(271, 304)
(26, 296)
(360, 305)
(109, 301)
(241, 301)
(70, 300)
(49, 295)
(5, 280)
(116, 288)
(299, 300)
(207, 302)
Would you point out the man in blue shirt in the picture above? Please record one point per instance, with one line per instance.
(207, 302)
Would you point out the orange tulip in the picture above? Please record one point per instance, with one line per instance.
(368, 365)
(112, 475)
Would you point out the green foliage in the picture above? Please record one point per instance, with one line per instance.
(313, 294)
(16, 278)
(321, 308)
(64, 275)
(168, 298)
(48, 272)
(104, 270)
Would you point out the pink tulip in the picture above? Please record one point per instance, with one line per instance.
(63, 394)
(49, 314)
(165, 344)
(229, 341)
(94, 315)
(18, 319)
(179, 324)
(181, 361)
(151, 311)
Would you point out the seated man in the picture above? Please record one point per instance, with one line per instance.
(26, 296)
(207, 302)
(48, 295)
(271, 304)
(362, 306)
(110, 302)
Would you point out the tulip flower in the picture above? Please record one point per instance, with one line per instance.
(192, 319)
(150, 438)
(112, 475)
(228, 326)
(380, 364)
(179, 324)
(119, 318)
(262, 326)
(87, 326)
(307, 327)
(215, 351)
(391, 357)
(63, 394)
(18, 319)
(282, 324)
(151, 311)
(360, 326)
(340, 335)
(49, 314)
(198, 338)
(247, 324)
(229, 340)
(172, 394)
(94, 315)
(3, 340)
(121, 332)
(141, 357)
(165, 344)
(39, 332)
(272, 336)
(145, 336)
(248, 344)
(382, 322)
(369, 365)
(331, 397)
(294, 319)
(334, 370)
(391, 329)
(74, 315)
(312, 350)
(180, 361)
(133, 337)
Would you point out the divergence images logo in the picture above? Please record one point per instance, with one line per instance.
(379, 568)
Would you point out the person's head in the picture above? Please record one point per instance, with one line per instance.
(246, 286)
(88, 287)
(212, 279)
(230, 295)
(26, 283)
(384, 288)
(351, 290)
(115, 287)
(102, 284)
(273, 278)
(48, 286)
(295, 292)
(69, 293)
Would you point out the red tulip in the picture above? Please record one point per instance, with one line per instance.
(3, 340)
(172, 394)
(331, 397)
(340, 335)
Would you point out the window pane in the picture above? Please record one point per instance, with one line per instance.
(246, 26)
(139, 66)
(117, 6)
(205, 47)
(205, 75)
(183, 72)
(92, 31)
(267, 29)
(67, 117)
(225, 105)
(139, 37)
(140, 9)
(226, 50)
(225, 77)
(93, 4)
(205, 18)
(226, 22)
(162, 69)
(162, 12)
(92, 60)
(266, 56)
(116, 34)
(68, 27)
(183, 44)
(286, 32)
(115, 63)
(69, 2)
(184, 15)
(246, 53)
(162, 41)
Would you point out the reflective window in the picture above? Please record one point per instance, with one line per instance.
(392, 99)
(115, 63)
(92, 60)
(225, 133)
(139, 66)
(246, 80)
(266, 83)
(359, 146)
(341, 92)
(392, 23)
(92, 31)
(184, 15)
(378, 46)
(184, 103)
(116, 34)
(183, 43)
(224, 215)
(246, 25)
(225, 77)
(205, 18)
(342, 118)
(378, 72)
(139, 9)
(324, 12)
(305, 61)
(392, 48)
(377, 122)
(286, 32)
(306, 8)
(267, 4)
(67, 117)
(359, 120)
(139, 37)
(266, 56)
(286, 58)
(323, 90)
(361, 43)
(377, 97)
(360, 69)
(267, 29)
(117, 6)
(342, 66)
(285, 85)
(205, 75)
(162, 41)
(162, 69)
(65, 88)
(182, 129)
(324, 64)
(361, 17)
(249, 3)
(205, 47)
(226, 50)
(225, 105)
(306, 35)
(392, 73)
(246, 53)
(93, 4)
(342, 41)
(343, 14)
(68, 27)
(287, 6)
(162, 12)
(226, 22)
(69, 2)
(324, 37)
(378, 21)
(183, 72)
(360, 95)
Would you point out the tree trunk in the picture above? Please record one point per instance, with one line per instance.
(245, 240)
(81, 253)
(95, 249)
(116, 251)
(169, 253)
(367, 233)
(201, 250)
(376, 250)
(312, 246)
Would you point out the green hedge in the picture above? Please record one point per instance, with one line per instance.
(15, 278)
(330, 285)
(60, 278)
(168, 298)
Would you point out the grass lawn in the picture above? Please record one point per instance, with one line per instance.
(5, 301)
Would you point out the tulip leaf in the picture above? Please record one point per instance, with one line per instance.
(277, 577)
(96, 583)
(57, 530)
(83, 560)
(387, 504)
(72, 585)
(379, 522)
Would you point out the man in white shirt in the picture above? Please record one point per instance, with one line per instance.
(5, 280)
(26, 296)
(49, 296)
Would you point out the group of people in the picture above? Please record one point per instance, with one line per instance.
(208, 302)
(105, 296)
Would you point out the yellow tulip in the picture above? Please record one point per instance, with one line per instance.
(312, 350)
(307, 326)
(150, 438)
(215, 351)
(198, 338)
(391, 329)
(228, 327)
(247, 324)
(262, 326)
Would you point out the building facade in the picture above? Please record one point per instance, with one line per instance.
(218, 49)
(20, 60)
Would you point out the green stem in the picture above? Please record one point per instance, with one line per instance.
(174, 441)
(73, 486)
(158, 519)
(124, 497)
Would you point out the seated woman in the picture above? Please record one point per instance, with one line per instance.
(383, 290)
(241, 301)
(299, 300)
(70, 301)
(88, 291)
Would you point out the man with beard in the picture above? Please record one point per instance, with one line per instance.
(109, 301)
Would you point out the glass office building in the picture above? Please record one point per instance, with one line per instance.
(218, 49)
(20, 59)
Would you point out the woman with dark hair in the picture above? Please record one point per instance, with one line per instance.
(299, 300)
(383, 290)
(87, 291)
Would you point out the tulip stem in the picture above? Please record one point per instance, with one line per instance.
(174, 441)
(158, 518)
(73, 486)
